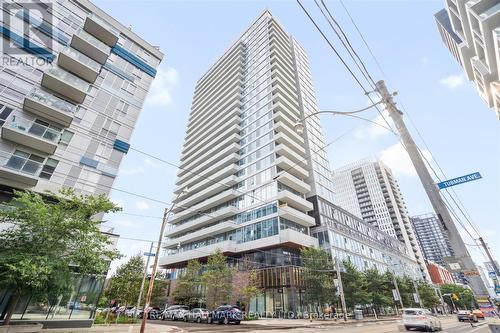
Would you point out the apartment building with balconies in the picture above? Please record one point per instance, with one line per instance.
(470, 30)
(369, 190)
(72, 84)
(432, 238)
(248, 181)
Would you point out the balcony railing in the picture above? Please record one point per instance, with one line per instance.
(82, 58)
(69, 78)
(105, 24)
(93, 41)
(34, 128)
(50, 100)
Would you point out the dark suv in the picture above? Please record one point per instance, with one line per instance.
(225, 314)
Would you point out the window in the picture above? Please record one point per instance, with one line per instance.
(48, 168)
(25, 162)
(66, 137)
(5, 111)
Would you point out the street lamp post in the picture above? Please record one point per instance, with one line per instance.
(155, 264)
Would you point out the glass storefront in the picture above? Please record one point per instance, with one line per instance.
(78, 302)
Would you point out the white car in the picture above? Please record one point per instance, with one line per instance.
(421, 319)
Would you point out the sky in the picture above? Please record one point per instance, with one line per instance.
(446, 116)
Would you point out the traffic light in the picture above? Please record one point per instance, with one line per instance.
(454, 297)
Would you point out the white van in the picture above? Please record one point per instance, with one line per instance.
(421, 319)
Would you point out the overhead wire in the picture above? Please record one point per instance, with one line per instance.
(349, 46)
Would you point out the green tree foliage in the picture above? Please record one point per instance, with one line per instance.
(428, 295)
(217, 280)
(378, 287)
(125, 283)
(48, 237)
(466, 297)
(318, 276)
(187, 288)
(354, 286)
(406, 290)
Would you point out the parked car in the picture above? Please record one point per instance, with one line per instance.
(130, 311)
(478, 313)
(466, 315)
(175, 312)
(421, 319)
(225, 314)
(197, 314)
(153, 313)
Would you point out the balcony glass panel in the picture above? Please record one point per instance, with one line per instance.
(37, 128)
(69, 78)
(93, 41)
(105, 24)
(52, 101)
(91, 63)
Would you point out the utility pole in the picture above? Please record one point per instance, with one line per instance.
(461, 255)
(417, 293)
(144, 279)
(341, 289)
(155, 266)
(490, 257)
(397, 289)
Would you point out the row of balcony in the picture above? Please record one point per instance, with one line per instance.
(287, 237)
(77, 67)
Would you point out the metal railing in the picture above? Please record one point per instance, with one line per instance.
(34, 128)
(71, 79)
(50, 100)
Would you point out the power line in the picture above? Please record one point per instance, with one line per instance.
(459, 205)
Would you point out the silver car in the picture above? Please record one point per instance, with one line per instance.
(421, 319)
(197, 314)
(175, 312)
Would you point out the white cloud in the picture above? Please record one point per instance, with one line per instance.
(396, 158)
(452, 82)
(160, 91)
(141, 205)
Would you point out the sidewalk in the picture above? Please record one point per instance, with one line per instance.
(125, 328)
(300, 323)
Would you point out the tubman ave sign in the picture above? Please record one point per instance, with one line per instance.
(459, 180)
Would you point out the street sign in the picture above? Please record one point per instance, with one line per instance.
(492, 275)
(415, 297)
(471, 273)
(459, 180)
(497, 289)
(395, 295)
(149, 254)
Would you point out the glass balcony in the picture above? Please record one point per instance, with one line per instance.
(65, 83)
(37, 134)
(79, 64)
(101, 29)
(20, 169)
(50, 107)
(90, 46)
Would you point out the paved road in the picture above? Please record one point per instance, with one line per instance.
(449, 326)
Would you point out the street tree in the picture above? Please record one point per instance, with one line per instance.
(246, 284)
(406, 290)
(465, 296)
(318, 277)
(45, 239)
(354, 285)
(217, 280)
(187, 288)
(124, 284)
(428, 295)
(378, 287)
